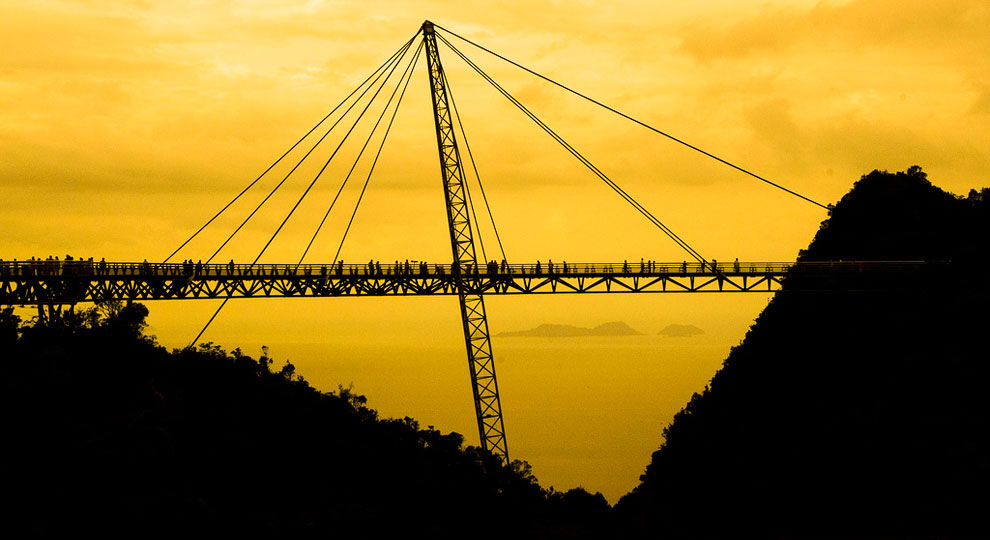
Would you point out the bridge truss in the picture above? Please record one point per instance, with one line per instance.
(75, 282)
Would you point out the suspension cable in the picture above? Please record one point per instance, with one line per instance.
(388, 128)
(404, 49)
(473, 223)
(334, 154)
(626, 116)
(207, 325)
(360, 153)
(474, 165)
(395, 63)
(287, 152)
(615, 187)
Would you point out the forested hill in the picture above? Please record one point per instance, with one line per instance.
(846, 413)
(106, 432)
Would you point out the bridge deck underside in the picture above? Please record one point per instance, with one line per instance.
(89, 283)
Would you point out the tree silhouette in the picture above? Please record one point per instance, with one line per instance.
(107, 431)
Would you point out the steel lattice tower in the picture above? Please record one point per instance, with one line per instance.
(479, 347)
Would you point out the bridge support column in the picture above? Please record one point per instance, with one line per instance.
(479, 349)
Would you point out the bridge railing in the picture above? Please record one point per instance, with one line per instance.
(420, 269)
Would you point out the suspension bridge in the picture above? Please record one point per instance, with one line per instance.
(54, 283)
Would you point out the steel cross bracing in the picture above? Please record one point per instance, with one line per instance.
(479, 347)
(53, 282)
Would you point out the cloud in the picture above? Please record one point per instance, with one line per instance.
(981, 105)
(918, 24)
(152, 98)
(860, 141)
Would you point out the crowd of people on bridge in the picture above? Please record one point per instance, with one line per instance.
(52, 266)
(78, 266)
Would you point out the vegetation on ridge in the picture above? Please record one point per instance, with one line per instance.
(107, 431)
(848, 412)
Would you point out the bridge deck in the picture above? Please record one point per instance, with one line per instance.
(67, 282)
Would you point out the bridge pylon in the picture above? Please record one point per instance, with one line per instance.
(481, 364)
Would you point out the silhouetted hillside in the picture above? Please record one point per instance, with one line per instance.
(846, 413)
(104, 431)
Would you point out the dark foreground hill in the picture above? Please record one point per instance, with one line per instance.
(104, 431)
(847, 413)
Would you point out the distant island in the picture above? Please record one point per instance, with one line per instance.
(681, 330)
(615, 328)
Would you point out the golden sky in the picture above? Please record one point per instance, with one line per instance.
(125, 125)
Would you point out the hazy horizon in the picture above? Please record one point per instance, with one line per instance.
(583, 411)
